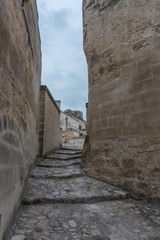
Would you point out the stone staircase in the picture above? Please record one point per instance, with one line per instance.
(62, 203)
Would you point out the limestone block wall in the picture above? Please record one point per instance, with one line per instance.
(20, 72)
(121, 42)
(49, 129)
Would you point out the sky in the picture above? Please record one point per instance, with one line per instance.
(64, 67)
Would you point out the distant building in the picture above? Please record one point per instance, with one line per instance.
(72, 127)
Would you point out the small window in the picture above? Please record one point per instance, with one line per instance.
(80, 127)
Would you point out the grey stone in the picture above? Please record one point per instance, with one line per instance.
(95, 232)
(54, 223)
(56, 236)
(72, 223)
(65, 225)
(18, 237)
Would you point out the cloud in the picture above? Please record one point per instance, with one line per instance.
(64, 65)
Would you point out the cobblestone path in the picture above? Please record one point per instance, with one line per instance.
(62, 203)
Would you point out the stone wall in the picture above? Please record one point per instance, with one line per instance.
(121, 42)
(20, 72)
(49, 130)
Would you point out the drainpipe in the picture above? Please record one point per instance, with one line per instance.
(66, 124)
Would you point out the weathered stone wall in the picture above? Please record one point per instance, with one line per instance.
(49, 130)
(121, 42)
(20, 71)
(41, 120)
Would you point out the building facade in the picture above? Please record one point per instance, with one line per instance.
(20, 75)
(72, 127)
(121, 40)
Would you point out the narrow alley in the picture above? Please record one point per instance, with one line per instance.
(62, 203)
(87, 74)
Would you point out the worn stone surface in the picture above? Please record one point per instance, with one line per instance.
(57, 163)
(20, 73)
(64, 156)
(64, 184)
(110, 219)
(70, 148)
(68, 152)
(65, 172)
(18, 237)
(80, 189)
(121, 40)
(118, 220)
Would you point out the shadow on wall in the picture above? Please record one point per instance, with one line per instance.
(16, 157)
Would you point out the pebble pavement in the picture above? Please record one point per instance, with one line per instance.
(62, 203)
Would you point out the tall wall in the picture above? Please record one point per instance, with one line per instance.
(49, 129)
(122, 42)
(20, 72)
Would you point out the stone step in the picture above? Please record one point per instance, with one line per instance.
(61, 173)
(63, 156)
(77, 190)
(57, 163)
(111, 220)
(70, 148)
(68, 152)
